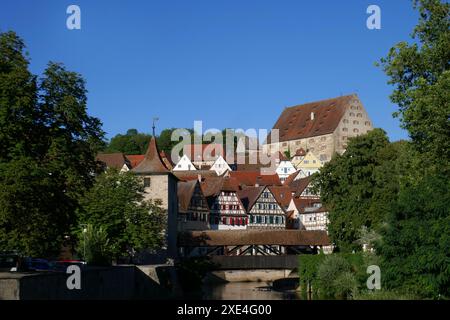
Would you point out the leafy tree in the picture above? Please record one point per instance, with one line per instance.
(415, 246)
(353, 187)
(48, 144)
(420, 73)
(116, 203)
(132, 142)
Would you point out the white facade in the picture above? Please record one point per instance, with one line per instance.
(220, 166)
(184, 165)
(284, 169)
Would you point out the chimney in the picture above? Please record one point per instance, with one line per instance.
(312, 116)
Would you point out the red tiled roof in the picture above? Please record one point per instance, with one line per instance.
(199, 152)
(295, 122)
(291, 178)
(251, 178)
(301, 204)
(211, 186)
(193, 175)
(298, 186)
(152, 162)
(113, 160)
(282, 194)
(135, 159)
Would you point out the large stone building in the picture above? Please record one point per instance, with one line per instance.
(321, 127)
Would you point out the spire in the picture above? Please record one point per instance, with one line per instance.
(152, 162)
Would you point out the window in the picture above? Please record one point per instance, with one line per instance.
(352, 114)
(344, 129)
(284, 144)
(146, 182)
(323, 139)
(345, 120)
(355, 130)
(367, 123)
(356, 122)
(359, 115)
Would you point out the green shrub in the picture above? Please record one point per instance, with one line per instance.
(332, 267)
(94, 246)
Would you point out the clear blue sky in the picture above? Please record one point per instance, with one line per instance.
(229, 63)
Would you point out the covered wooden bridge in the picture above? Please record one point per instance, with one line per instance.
(250, 242)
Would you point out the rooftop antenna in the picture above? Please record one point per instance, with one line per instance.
(153, 127)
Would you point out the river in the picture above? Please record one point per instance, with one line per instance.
(246, 291)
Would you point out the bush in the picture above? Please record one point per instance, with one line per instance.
(94, 246)
(332, 267)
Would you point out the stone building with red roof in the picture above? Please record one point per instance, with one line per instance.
(322, 127)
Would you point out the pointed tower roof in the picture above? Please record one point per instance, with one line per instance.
(152, 162)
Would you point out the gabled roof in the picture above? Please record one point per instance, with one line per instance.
(185, 192)
(113, 160)
(295, 122)
(152, 162)
(135, 159)
(298, 186)
(212, 186)
(291, 178)
(251, 178)
(282, 194)
(249, 196)
(301, 204)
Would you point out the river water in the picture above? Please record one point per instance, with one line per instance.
(246, 291)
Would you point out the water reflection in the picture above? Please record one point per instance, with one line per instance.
(246, 291)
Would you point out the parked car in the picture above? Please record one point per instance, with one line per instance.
(35, 264)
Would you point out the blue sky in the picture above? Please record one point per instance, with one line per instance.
(229, 63)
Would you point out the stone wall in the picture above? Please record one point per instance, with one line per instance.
(116, 283)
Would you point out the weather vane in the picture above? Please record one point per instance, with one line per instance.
(154, 120)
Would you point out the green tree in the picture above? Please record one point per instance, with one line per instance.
(419, 71)
(48, 144)
(415, 245)
(116, 203)
(132, 142)
(354, 186)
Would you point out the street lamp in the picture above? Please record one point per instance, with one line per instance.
(84, 240)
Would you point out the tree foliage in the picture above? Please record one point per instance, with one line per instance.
(116, 203)
(48, 144)
(132, 142)
(357, 186)
(415, 244)
(419, 72)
